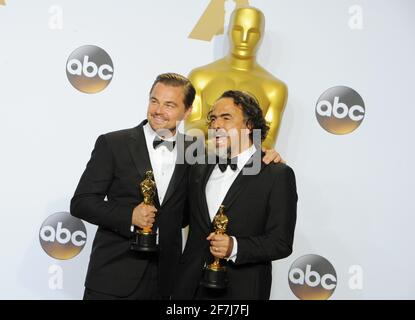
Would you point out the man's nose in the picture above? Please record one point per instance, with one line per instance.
(217, 124)
(159, 109)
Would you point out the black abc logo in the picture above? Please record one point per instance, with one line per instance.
(62, 236)
(312, 277)
(340, 110)
(89, 69)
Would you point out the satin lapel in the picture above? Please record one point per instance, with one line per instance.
(179, 169)
(241, 182)
(205, 174)
(139, 153)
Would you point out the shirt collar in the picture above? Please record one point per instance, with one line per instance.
(245, 155)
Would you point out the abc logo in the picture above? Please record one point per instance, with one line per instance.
(312, 277)
(89, 69)
(62, 236)
(340, 110)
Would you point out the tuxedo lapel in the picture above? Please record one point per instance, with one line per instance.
(205, 174)
(179, 169)
(178, 174)
(139, 153)
(241, 182)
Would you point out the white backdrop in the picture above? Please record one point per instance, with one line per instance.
(355, 190)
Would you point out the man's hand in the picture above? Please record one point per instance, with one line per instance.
(221, 245)
(271, 155)
(144, 215)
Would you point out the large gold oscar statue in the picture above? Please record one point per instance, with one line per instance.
(239, 71)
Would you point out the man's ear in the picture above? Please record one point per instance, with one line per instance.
(188, 112)
(249, 126)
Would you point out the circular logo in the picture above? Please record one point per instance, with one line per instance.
(89, 69)
(340, 110)
(312, 277)
(62, 236)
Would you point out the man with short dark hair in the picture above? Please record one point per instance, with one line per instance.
(260, 206)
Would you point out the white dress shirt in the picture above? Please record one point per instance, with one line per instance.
(218, 186)
(163, 161)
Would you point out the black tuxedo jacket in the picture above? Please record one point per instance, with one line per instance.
(262, 215)
(117, 166)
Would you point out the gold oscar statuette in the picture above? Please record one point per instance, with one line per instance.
(145, 240)
(215, 276)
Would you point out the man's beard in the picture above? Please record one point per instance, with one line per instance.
(223, 152)
(166, 132)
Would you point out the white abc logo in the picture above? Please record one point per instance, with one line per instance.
(312, 278)
(62, 235)
(89, 69)
(340, 110)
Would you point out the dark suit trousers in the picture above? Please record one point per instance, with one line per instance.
(147, 288)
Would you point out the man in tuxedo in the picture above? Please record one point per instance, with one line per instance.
(118, 164)
(261, 207)
(108, 195)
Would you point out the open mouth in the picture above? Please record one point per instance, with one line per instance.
(221, 138)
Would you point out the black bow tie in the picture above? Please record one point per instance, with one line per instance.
(160, 142)
(232, 163)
